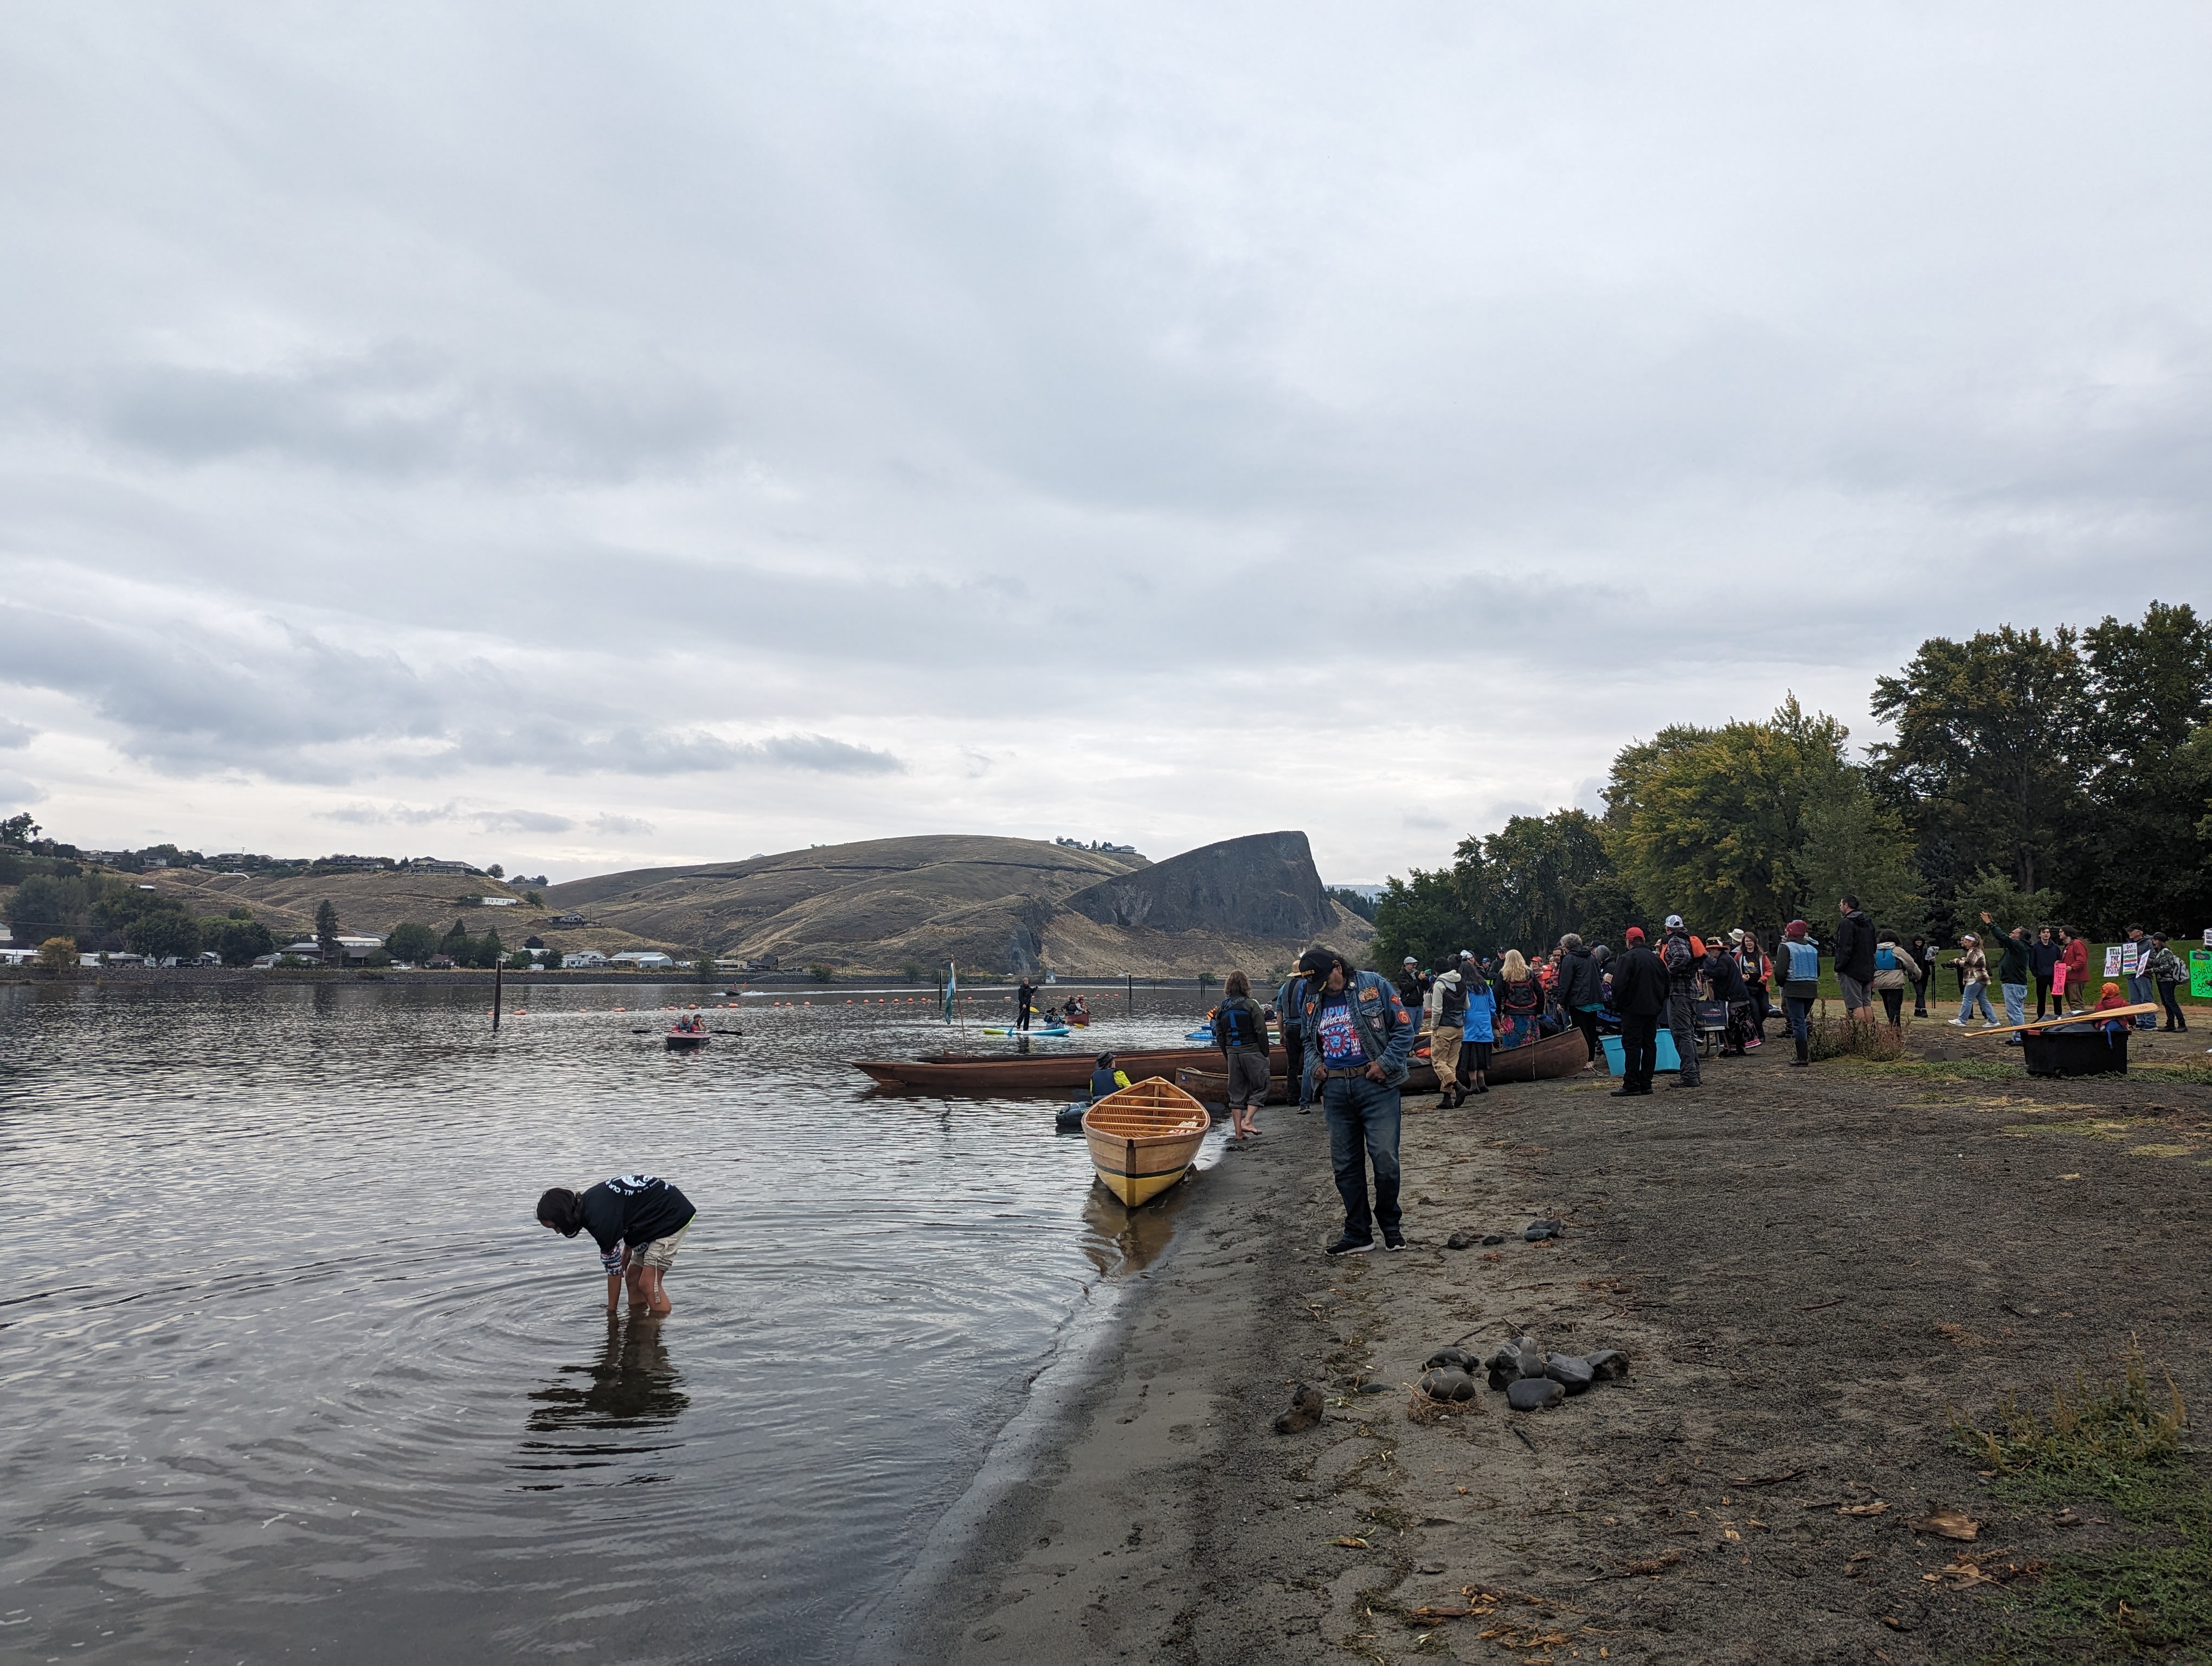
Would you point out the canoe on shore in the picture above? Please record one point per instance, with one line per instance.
(1144, 1138)
(1562, 1055)
(1015, 1073)
(1212, 1087)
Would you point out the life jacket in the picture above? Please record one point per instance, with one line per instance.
(1802, 961)
(1103, 1082)
(1234, 1026)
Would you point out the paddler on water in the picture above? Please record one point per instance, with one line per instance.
(637, 1220)
(1105, 1079)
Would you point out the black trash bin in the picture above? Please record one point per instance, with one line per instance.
(2074, 1052)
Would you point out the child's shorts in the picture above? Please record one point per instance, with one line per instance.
(660, 1253)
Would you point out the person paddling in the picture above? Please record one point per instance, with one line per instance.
(637, 1220)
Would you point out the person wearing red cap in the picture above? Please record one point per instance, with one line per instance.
(1639, 992)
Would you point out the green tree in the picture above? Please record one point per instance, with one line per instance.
(413, 942)
(703, 968)
(1525, 886)
(1988, 765)
(1992, 892)
(46, 907)
(326, 930)
(1351, 899)
(2141, 857)
(161, 933)
(58, 954)
(1852, 845)
(242, 942)
(18, 829)
(489, 951)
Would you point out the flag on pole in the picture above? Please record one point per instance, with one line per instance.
(952, 986)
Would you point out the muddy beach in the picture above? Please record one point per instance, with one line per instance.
(1809, 1269)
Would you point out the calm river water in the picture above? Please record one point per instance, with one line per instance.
(289, 1370)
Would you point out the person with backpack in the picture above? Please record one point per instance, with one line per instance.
(1447, 1006)
(1580, 989)
(1683, 958)
(1893, 967)
(1799, 969)
(2169, 974)
(1288, 1001)
(1640, 991)
(1240, 1030)
(2142, 991)
(1855, 960)
(1478, 1028)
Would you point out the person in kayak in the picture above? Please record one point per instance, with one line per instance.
(637, 1220)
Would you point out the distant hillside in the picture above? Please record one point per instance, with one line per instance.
(996, 904)
(367, 900)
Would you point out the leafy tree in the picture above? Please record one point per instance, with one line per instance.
(519, 961)
(58, 954)
(413, 942)
(242, 942)
(161, 933)
(489, 951)
(1526, 885)
(326, 930)
(2141, 856)
(1351, 899)
(18, 829)
(703, 968)
(496, 871)
(1993, 893)
(47, 907)
(1855, 846)
(1987, 765)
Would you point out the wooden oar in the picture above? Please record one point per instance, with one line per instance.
(2092, 1016)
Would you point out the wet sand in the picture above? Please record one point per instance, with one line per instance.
(1805, 1267)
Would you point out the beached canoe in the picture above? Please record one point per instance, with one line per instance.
(1016, 1072)
(1562, 1055)
(1212, 1087)
(1144, 1138)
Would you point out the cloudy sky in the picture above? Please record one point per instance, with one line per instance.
(579, 436)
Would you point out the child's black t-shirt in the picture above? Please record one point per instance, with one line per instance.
(632, 1210)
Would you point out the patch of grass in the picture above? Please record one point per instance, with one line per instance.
(2118, 1440)
(2098, 1127)
(1933, 1070)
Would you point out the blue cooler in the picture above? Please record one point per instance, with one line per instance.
(1614, 1053)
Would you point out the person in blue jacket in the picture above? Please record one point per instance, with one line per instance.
(1359, 1037)
(1478, 1030)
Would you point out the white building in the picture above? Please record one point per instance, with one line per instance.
(582, 958)
(644, 960)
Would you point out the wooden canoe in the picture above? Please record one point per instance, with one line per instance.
(1212, 1086)
(1016, 1072)
(1562, 1055)
(1144, 1138)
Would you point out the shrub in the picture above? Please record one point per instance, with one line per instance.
(1841, 1038)
(820, 973)
(58, 954)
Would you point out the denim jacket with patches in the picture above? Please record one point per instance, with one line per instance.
(1386, 1031)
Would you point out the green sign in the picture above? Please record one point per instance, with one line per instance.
(2200, 974)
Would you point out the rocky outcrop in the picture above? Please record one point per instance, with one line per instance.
(1264, 884)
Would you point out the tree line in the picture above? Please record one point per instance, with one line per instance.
(2060, 777)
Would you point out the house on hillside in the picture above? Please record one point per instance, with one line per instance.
(355, 950)
(568, 920)
(643, 960)
(569, 962)
(433, 864)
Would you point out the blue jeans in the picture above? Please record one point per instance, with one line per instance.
(1362, 1133)
(2015, 1001)
(1800, 1013)
(1978, 995)
(2142, 991)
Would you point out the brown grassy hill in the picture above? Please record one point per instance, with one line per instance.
(367, 902)
(995, 904)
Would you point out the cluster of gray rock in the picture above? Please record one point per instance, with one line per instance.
(1531, 1379)
(1535, 1232)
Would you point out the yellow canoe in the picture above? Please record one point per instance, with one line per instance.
(1144, 1138)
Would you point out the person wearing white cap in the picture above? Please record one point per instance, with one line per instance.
(1682, 954)
(1974, 983)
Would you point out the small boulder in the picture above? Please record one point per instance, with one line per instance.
(1534, 1395)
(1459, 1241)
(1490, 1238)
(1450, 1384)
(1458, 1359)
(1537, 1231)
(1569, 1374)
(1306, 1407)
(1607, 1365)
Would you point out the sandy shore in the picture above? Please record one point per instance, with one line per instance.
(1805, 1267)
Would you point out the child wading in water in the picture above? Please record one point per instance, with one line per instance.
(637, 1221)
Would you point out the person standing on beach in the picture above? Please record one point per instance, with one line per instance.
(637, 1220)
(1478, 1028)
(1240, 1030)
(1358, 1036)
(1581, 988)
(1683, 956)
(1855, 960)
(1289, 1002)
(1640, 994)
(1447, 1026)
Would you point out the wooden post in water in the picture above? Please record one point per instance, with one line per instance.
(1129, 1008)
(496, 973)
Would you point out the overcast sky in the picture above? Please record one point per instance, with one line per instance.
(579, 436)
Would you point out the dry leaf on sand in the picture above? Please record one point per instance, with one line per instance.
(1874, 1509)
(1948, 1522)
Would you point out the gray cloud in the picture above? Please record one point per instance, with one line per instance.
(17, 793)
(611, 826)
(13, 735)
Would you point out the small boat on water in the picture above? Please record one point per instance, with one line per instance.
(1144, 1138)
(685, 1041)
(1040, 1030)
(1018, 1073)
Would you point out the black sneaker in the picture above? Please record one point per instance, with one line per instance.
(1675, 1085)
(1349, 1246)
(1392, 1239)
(1623, 1093)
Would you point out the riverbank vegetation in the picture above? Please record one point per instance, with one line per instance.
(2065, 776)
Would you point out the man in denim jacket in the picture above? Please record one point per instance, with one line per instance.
(1357, 1037)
